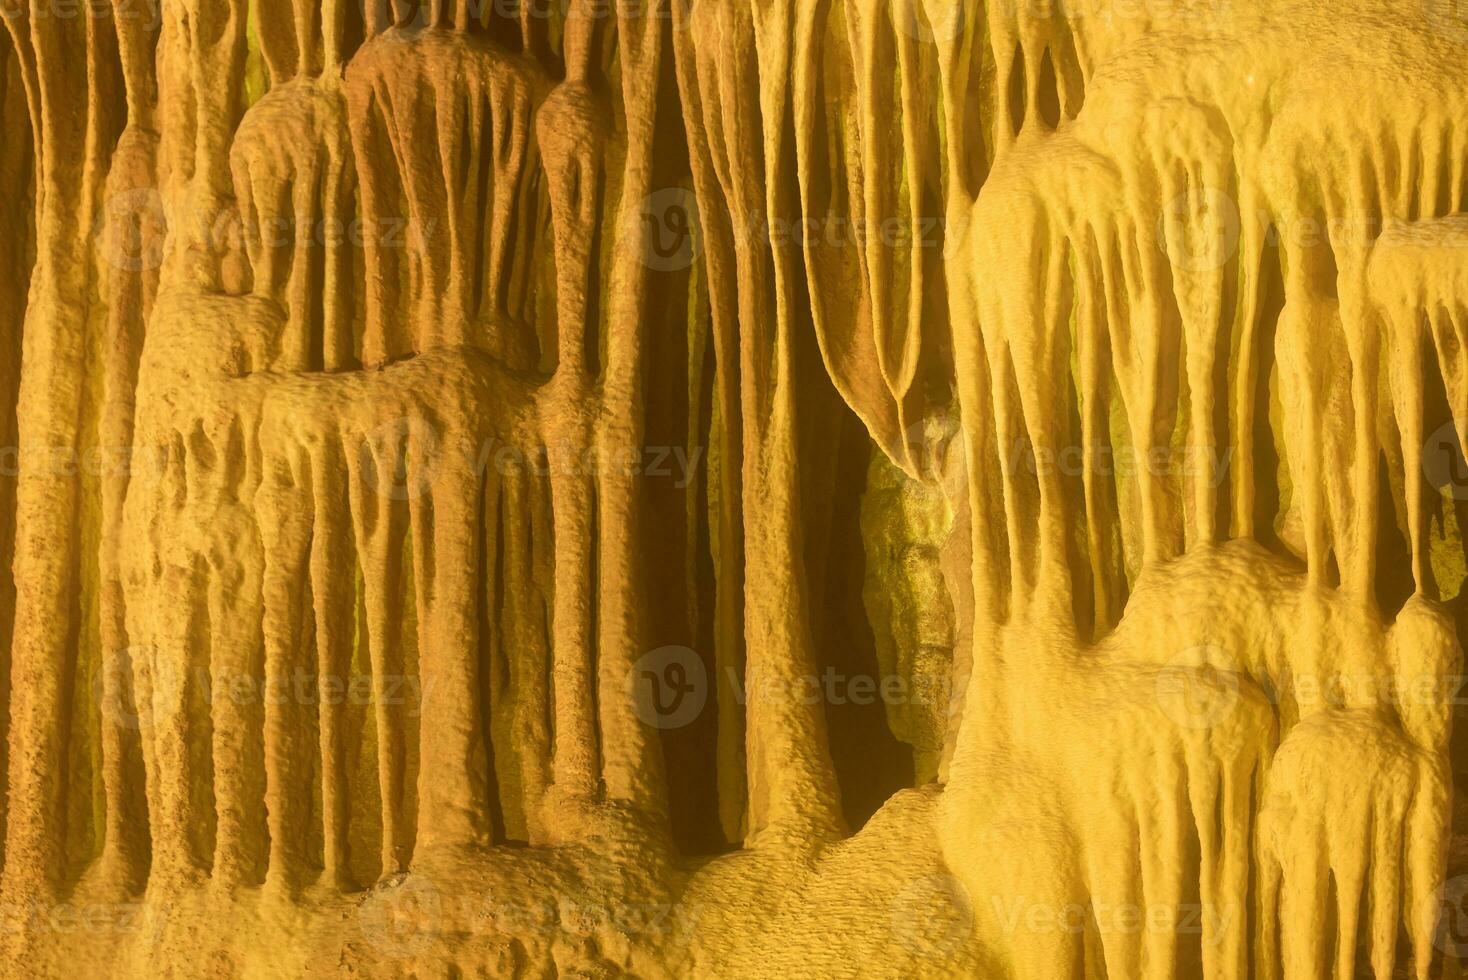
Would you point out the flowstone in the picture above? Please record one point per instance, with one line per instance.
(892, 488)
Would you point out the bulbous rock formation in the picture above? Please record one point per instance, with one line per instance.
(699, 488)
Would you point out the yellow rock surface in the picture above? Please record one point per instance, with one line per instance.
(695, 488)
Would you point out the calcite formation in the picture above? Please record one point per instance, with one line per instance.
(706, 488)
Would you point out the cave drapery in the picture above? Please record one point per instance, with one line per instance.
(716, 488)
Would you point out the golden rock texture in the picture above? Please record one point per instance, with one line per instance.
(695, 488)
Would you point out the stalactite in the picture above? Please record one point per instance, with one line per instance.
(71, 113)
(16, 251)
(1112, 355)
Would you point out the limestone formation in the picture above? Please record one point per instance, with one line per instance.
(703, 488)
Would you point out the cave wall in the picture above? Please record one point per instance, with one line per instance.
(700, 488)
